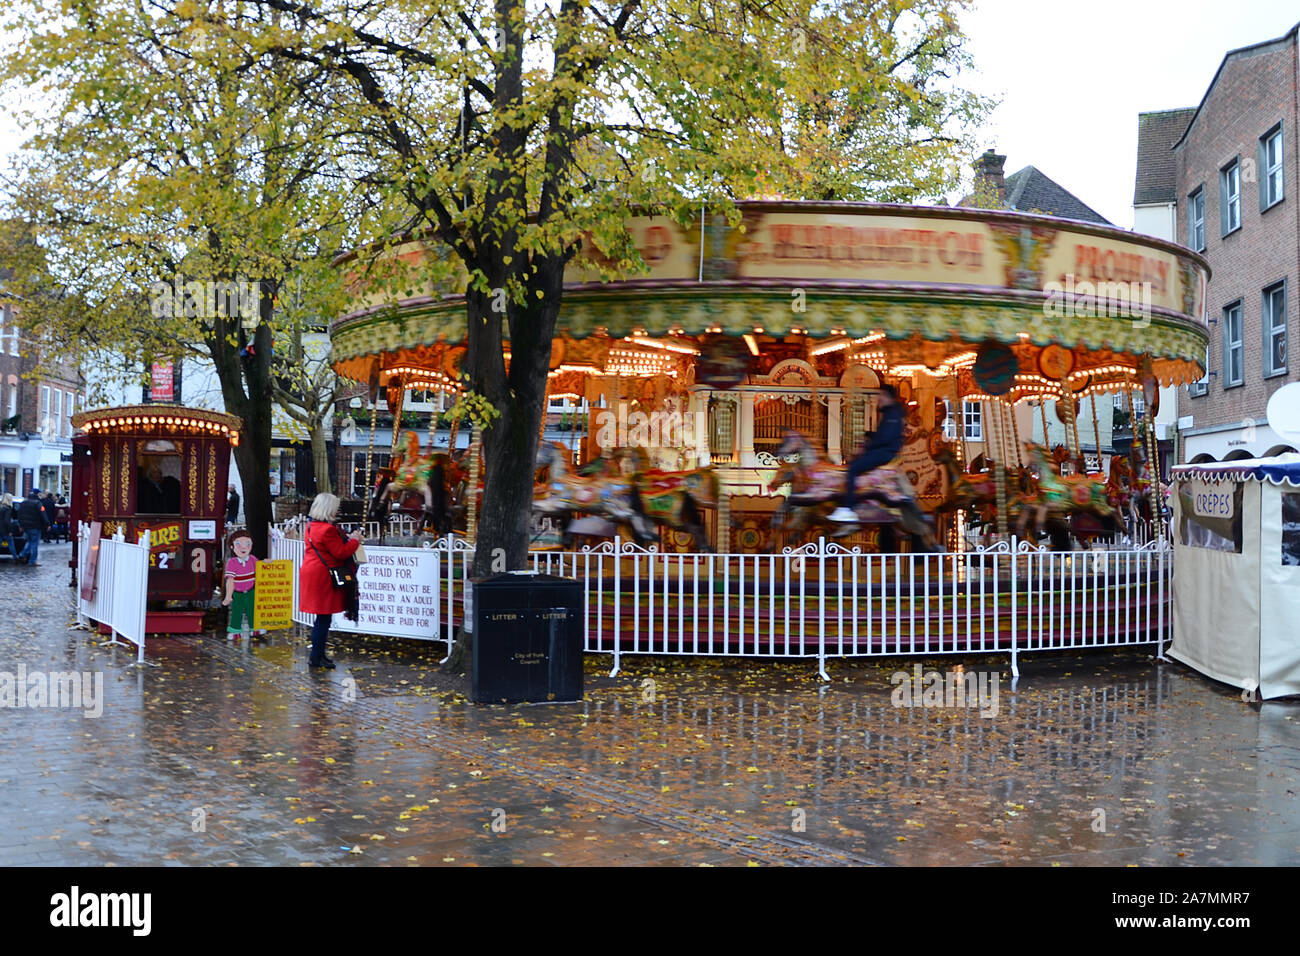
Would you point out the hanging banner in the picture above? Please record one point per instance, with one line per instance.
(162, 382)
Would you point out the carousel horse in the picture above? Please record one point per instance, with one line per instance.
(966, 491)
(611, 496)
(1060, 497)
(674, 498)
(884, 496)
(415, 483)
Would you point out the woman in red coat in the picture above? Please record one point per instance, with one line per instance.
(324, 548)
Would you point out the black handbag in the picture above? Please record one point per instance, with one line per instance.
(342, 576)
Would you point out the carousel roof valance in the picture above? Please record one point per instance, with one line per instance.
(1278, 470)
(929, 282)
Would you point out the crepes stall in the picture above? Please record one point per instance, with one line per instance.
(1236, 538)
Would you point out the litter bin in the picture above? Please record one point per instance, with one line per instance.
(527, 639)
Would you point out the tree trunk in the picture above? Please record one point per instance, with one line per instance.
(320, 459)
(510, 443)
(246, 387)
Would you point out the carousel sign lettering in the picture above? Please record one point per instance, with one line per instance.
(868, 244)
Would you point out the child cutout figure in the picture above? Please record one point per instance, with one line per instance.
(240, 578)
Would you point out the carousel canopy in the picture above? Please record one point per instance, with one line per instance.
(898, 288)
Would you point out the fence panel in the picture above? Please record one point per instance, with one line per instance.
(824, 600)
(121, 586)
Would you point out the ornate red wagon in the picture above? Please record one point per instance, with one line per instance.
(161, 469)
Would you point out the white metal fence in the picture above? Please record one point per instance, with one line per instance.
(120, 582)
(823, 600)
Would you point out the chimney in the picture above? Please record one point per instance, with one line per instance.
(990, 181)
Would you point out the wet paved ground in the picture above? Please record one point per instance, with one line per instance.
(226, 753)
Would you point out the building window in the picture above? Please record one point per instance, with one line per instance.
(1271, 186)
(8, 330)
(1202, 385)
(1139, 404)
(13, 400)
(45, 409)
(71, 410)
(973, 420)
(1233, 350)
(1273, 318)
(973, 428)
(1196, 220)
(1230, 198)
(56, 423)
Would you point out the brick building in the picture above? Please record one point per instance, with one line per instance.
(35, 415)
(1234, 162)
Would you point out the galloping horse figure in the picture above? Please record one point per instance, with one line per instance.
(884, 496)
(1060, 497)
(674, 498)
(966, 491)
(609, 496)
(413, 474)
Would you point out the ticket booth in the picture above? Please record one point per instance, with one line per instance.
(161, 469)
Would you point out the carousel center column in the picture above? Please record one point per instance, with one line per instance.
(745, 432)
(833, 428)
(698, 409)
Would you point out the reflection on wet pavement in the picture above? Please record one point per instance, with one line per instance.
(231, 753)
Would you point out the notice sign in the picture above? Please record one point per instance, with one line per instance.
(397, 595)
(273, 596)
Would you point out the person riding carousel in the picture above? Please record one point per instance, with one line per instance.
(880, 449)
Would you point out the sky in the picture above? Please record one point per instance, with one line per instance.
(1073, 77)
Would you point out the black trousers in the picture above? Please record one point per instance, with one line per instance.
(320, 628)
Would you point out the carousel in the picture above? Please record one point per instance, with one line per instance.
(726, 385)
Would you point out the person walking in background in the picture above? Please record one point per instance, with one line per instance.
(47, 502)
(7, 525)
(232, 505)
(34, 521)
(326, 549)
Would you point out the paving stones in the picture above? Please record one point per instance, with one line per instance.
(235, 753)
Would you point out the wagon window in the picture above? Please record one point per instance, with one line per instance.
(158, 479)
